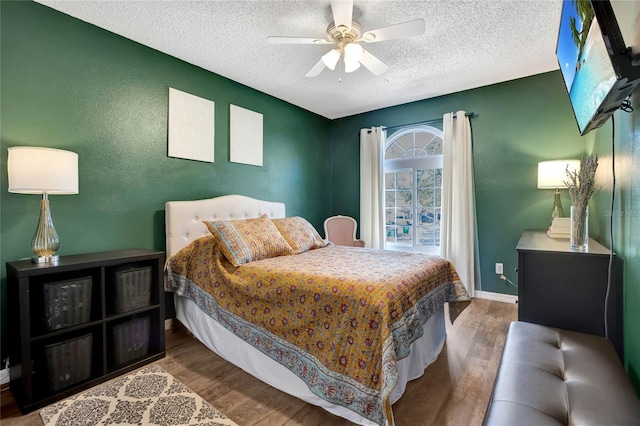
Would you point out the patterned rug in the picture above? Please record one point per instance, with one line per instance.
(149, 397)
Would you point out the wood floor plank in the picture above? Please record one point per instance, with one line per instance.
(453, 391)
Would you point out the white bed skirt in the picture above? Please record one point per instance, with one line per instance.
(424, 351)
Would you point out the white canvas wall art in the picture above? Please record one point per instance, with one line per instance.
(191, 126)
(246, 136)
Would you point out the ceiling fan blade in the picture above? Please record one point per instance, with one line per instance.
(405, 29)
(296, 40)
(317, 69)
(373, 64)
(342, 13)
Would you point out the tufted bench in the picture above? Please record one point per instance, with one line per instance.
(549, 376)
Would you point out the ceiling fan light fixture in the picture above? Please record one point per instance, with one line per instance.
(330, 59)
(345, 35)
(351, 66)
(353, 53)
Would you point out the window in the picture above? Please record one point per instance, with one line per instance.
(413, 189)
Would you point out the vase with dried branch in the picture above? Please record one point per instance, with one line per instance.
(581, 185)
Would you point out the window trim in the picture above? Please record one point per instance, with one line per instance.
(413, 164)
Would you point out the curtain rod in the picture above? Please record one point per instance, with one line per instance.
(433, 120)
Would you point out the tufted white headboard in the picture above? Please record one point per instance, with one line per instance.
(184, 218)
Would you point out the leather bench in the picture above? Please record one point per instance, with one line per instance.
(549, 376)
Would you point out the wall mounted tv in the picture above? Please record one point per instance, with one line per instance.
(595, 62)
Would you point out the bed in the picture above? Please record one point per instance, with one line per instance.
(343, 337)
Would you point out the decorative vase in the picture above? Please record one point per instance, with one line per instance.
(580, 228)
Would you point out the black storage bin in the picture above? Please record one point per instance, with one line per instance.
(69, 362)
(133, 288)
(67, 303)
(130, 340)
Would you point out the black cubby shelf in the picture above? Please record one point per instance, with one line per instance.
(69, 311)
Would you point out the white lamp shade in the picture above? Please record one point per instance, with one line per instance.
(353, 52)
(553, 174)
(330, 59)
(36, 170)
(351, 66)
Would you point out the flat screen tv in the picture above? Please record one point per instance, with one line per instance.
(595, 62)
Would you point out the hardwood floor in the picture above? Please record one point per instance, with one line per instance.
(454, 390)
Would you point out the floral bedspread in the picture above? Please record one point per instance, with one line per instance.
(338, 317)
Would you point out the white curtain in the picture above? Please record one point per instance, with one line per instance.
(458, 223)
(372, 143)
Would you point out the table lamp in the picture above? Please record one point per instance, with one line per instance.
(552, 175)
(35, 170)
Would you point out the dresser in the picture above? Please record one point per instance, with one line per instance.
(561, 288)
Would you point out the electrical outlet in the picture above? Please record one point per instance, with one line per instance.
(499, 268)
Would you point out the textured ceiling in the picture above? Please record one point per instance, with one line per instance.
(467, 44)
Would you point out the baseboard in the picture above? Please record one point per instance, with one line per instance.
(167, 324)
(498, 297)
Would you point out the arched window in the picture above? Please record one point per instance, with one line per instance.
(413, 189)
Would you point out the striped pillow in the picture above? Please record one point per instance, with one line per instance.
(243, 241)
(299, 233)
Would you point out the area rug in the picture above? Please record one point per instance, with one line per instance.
(150, 396)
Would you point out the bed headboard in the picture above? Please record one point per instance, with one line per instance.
(184, 218)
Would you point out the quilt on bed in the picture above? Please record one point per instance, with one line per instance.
(338, 317)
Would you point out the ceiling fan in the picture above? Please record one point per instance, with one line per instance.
(346, 34)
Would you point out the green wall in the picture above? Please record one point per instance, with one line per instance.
(519, 123)
(70, 85)
(626, 216)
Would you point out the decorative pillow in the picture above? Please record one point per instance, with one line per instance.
(243, 241)
(299, 233)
